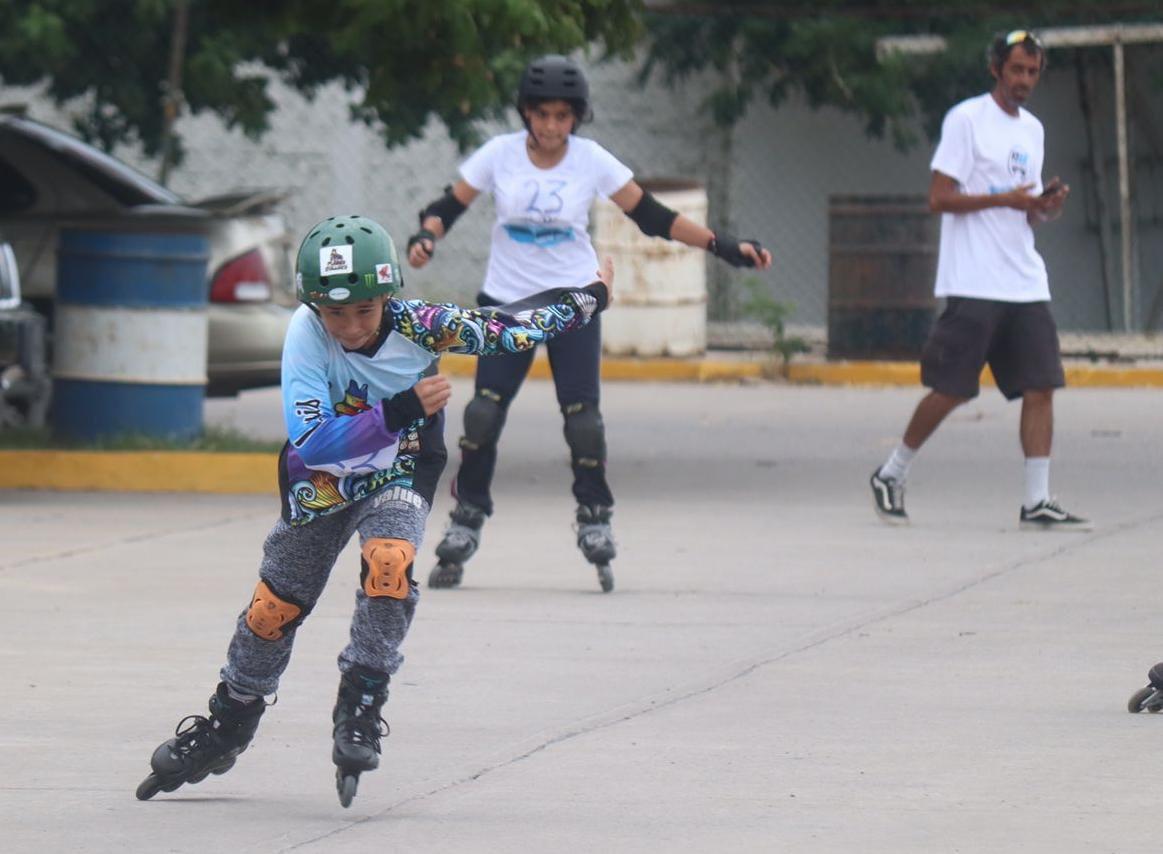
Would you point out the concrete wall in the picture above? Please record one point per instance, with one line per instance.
(781, 167)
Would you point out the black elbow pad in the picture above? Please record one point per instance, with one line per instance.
(653, 218)
(446, 209)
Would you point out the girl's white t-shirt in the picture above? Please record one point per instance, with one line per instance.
(990, 254)
(540, 239)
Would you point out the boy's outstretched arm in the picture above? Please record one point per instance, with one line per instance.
(512, 328)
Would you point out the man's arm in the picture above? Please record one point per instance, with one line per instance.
(945, 196)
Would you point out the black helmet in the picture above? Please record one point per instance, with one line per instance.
(554, 77)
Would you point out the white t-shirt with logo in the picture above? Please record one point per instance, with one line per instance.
(990, 254)
(540, 239)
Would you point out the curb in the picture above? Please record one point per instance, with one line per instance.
(1079, 374)
(644, 369)
(257, 474)
(141, 471)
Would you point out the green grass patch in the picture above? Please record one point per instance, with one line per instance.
(213, 439)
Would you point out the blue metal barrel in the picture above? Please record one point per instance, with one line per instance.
(130, 332)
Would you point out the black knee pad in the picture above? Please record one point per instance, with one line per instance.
(585, 433)
(483, 419)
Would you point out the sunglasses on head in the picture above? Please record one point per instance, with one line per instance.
(1022, 36)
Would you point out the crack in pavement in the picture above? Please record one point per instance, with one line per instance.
(740, 670)
(145, 536)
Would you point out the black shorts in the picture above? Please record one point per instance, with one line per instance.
(1018, 340)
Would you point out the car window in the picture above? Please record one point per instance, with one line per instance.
(16, 192)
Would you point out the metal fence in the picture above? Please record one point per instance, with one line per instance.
(770, 178)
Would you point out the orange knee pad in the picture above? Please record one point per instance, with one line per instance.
(387, 566)
(269, 615)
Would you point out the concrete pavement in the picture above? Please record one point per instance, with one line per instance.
(775, 672)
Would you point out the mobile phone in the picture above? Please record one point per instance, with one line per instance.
(1051, 188)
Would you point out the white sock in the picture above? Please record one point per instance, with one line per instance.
(897, 467)
(1037, 481)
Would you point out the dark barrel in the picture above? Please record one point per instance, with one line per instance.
(882, 263)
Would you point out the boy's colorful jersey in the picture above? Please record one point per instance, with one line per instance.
(354, 427)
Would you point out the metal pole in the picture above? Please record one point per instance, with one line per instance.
(1126, 225)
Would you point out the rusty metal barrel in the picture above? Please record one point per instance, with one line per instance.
(660, 304)
(882, 263)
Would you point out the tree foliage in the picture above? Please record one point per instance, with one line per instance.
(826, 51)
(403, 63)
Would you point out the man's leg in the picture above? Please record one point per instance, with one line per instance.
(1027, 364)
(950, 367)
(927, 417)
(1037, 433)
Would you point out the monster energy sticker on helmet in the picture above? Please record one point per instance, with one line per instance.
(383, 274)
(335, 260)
(338, 294)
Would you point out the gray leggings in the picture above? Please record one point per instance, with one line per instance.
(297, 562)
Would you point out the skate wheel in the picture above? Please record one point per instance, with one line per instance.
(445, 575)
(345, 786)
(149, 787)
(1136, 703)
(605, 577)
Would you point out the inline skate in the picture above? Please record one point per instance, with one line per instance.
(595, 538)
(358, 728)
(459, 544)
(1149, 698)
(203, 746)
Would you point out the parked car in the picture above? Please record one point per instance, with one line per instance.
(25, 387)
(48, 177)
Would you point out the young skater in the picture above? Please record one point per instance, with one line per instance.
(364, 452)
(544, 180)
(987, 184)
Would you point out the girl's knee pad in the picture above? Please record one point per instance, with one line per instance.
(387, 567)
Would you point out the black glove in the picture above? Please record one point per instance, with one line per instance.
(423, 234)
(725, 246)
(402, 409)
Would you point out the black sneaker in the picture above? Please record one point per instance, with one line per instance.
(888, 496)
(1048, 515)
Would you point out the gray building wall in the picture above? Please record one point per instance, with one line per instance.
(776, 170)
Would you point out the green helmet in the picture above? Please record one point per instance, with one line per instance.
(346, 259)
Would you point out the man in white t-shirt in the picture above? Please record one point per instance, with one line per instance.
(987, 186)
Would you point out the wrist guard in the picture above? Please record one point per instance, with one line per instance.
(726, 247)
(423, 234)
(446, 209)
(402, 409)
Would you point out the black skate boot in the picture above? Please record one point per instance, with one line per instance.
(595, 538)
(203, 746)
(1151, 697)
(358, 728)
(459, 544)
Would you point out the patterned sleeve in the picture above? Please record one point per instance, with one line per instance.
(512, 328)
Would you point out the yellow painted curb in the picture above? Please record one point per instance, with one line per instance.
(1083, 375)
(1079, 374)
(140, 471)
(623, 368)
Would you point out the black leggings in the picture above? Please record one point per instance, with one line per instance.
(575, 361)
